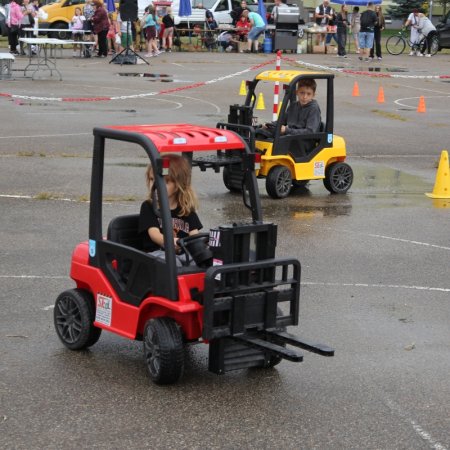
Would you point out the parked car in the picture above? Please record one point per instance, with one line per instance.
(3, 28)
(443, 29)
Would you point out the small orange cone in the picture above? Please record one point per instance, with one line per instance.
(442, 185)
(380, 98)
(421, 108)
(355, 92)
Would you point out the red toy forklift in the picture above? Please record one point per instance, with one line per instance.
(237, 298)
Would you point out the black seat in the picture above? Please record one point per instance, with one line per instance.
(124, 230)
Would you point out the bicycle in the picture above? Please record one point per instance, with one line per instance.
(396, 44)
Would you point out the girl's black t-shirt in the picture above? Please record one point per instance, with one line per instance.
(181, 225)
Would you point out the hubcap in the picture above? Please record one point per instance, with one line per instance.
(341, 177)
(284, 182)
(152, 351)
(68, 320)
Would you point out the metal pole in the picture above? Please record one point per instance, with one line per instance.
(431, 9)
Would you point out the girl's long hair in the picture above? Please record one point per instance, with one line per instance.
(180, 175)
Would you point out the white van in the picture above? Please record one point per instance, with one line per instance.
(220, 8)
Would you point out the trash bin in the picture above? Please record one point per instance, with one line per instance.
(286, 28)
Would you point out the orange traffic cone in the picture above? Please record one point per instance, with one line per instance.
(442, 185)
(355, 92)
(380, 98)
(421, 108)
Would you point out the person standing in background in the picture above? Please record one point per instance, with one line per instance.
(100, 24)
(413, 21)
(379, 27)
(323, 14)
(366, 35)
(356, 26)
(13, 18)
(342, 26)
(258, 28)
(426, 28)
(169, 24)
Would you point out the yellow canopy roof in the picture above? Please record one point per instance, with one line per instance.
(284, 76)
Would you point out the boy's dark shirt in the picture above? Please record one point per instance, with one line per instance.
(181, 225)
(303, 119)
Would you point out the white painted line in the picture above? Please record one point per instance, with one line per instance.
(423, 434)
(45, 136)
(49, 308)
(377, 286)
(380, 236)
(36, 277)
(304, 283)
(32, 197)
(425, 244)
(400, 100)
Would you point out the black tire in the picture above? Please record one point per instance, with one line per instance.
(74, 316)
(163, 350)
(279, 182)
(338, 178)
(395, 45)
(232, 179)
(434, 45)
(60, 34)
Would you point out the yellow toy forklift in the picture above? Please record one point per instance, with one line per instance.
(289, 161)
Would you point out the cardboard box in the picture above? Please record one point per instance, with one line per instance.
(318, 48)
(331, 50)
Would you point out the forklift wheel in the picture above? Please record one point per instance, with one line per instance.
(163, 350)
(338, 178)
(74, 317)
(279, 182)
(231, 180)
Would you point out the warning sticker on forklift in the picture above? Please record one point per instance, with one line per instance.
(217, 262)
(103, 311)
(319, 169)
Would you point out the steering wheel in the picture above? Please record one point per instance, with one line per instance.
(196, 247)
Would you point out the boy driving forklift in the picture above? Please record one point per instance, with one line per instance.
(299, 147)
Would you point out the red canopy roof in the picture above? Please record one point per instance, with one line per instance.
(185, 137)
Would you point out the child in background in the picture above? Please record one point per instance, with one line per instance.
(112, 32)
(169, 25)
(182, 202)
(150, 31)
(77, 30)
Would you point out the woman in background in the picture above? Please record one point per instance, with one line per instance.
(379, 27)
(100, 25)
(169, 24)
(342, 25)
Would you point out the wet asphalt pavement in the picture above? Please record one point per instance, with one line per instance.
(375, 266)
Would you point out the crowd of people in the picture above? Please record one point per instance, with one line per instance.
(366, 29)
(151, 33)
(154, 34)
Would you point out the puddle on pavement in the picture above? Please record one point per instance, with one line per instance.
(385, 187)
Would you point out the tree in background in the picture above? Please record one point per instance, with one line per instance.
(445, 4)
(401, 9)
